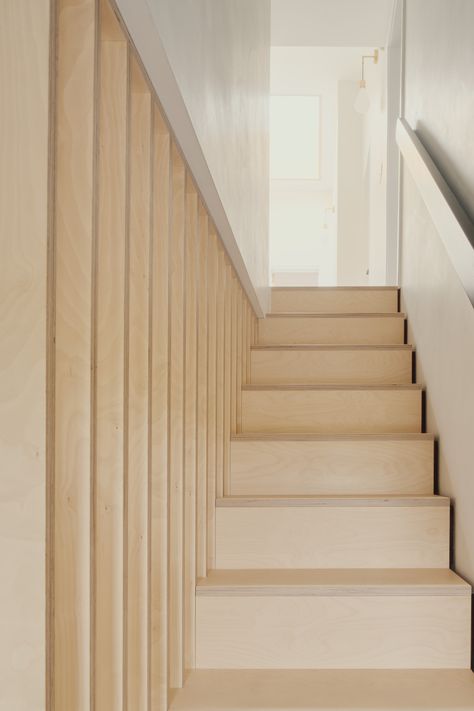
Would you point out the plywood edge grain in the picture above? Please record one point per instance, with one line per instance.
(331, 501)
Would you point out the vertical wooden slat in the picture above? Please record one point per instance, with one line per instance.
(233, 375)
(73, 226)
(202, 373)
(136, 580)
(244, 339)
(109, 366)
(211, 395)
(190, 424)
(227, 372)
(248, 337)
(220, 364)
(158, 439)
(176, 423)
(239, 340)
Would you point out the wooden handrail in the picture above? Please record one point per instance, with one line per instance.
(454, 226)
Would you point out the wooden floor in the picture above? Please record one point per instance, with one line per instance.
(332, 587)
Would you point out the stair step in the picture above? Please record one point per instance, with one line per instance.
(332, 532)
(328, 409)
(333, 619)
(322, 465)
(335, 299)
(331, 364)
(327, 690)
(332, 328)
(344, 582)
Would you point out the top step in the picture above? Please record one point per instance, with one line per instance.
(340, 299)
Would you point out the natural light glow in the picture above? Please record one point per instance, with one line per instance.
(294, 137)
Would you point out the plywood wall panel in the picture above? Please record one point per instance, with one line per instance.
(74, 198)
(190, 421)
(176, 421)
(202, 408)
(109, 362)
(137, 449)
(158, 435)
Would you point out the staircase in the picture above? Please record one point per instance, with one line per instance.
(332, 550)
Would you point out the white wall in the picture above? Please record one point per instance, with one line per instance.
(352, 192)
(209, 63)
(439, 104)
(298, 239)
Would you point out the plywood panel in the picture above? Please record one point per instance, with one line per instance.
(295, 632)
(220, 366)
(333, 466)
(332, 536)
(24, 78)
(202, 379)
(335, 300)
(137, 445)
(74, 246)
(176, 423)
(239, 367)
(364, 364)
(227, 374)
(233, 374)
(352, 329)
(110, 366)
(211, 394)
(190, 422)
(326, 690)
(158, 436)
(331, 410)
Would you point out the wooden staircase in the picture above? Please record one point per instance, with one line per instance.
(332, 549)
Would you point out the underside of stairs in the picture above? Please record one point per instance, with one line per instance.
(332, 587)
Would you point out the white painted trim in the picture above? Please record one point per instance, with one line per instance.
(454, 227)
(139, 22)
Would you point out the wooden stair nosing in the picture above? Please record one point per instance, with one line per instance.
(332, 386)
(343, 500)
(336, 314)
(334, 347)
(309, 436)
(333, 582)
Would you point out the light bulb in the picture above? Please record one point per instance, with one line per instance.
(362, 102)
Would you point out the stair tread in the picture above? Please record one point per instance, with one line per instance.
(357, 581)
(333, 347)
(309, 436)
(327, 690)
(332, 386)
(335, 288)
(337, 314)
(339, 500)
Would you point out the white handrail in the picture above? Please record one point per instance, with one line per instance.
(454, 226)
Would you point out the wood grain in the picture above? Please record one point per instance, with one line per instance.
(190, 422)
(297, 632)
(344, 466)
(74, 247)
(331, 410)
(326, 329)
(335, 299)
(110, 405)
(284, 536)
(137, 445)
(202, 376)
(211, 394)
(158, 436)
(331, 365)
(176, 422)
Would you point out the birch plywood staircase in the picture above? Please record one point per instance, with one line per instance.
(332, 549)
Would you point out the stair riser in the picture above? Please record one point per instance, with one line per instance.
(324, 468)
(331, 366)
(331, 411)
(327, 330)
(291, 632)
(332, 301)
(332, 537)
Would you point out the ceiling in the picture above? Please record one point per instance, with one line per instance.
(331, 23)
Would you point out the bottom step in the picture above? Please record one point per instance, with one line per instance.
(328, 690)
